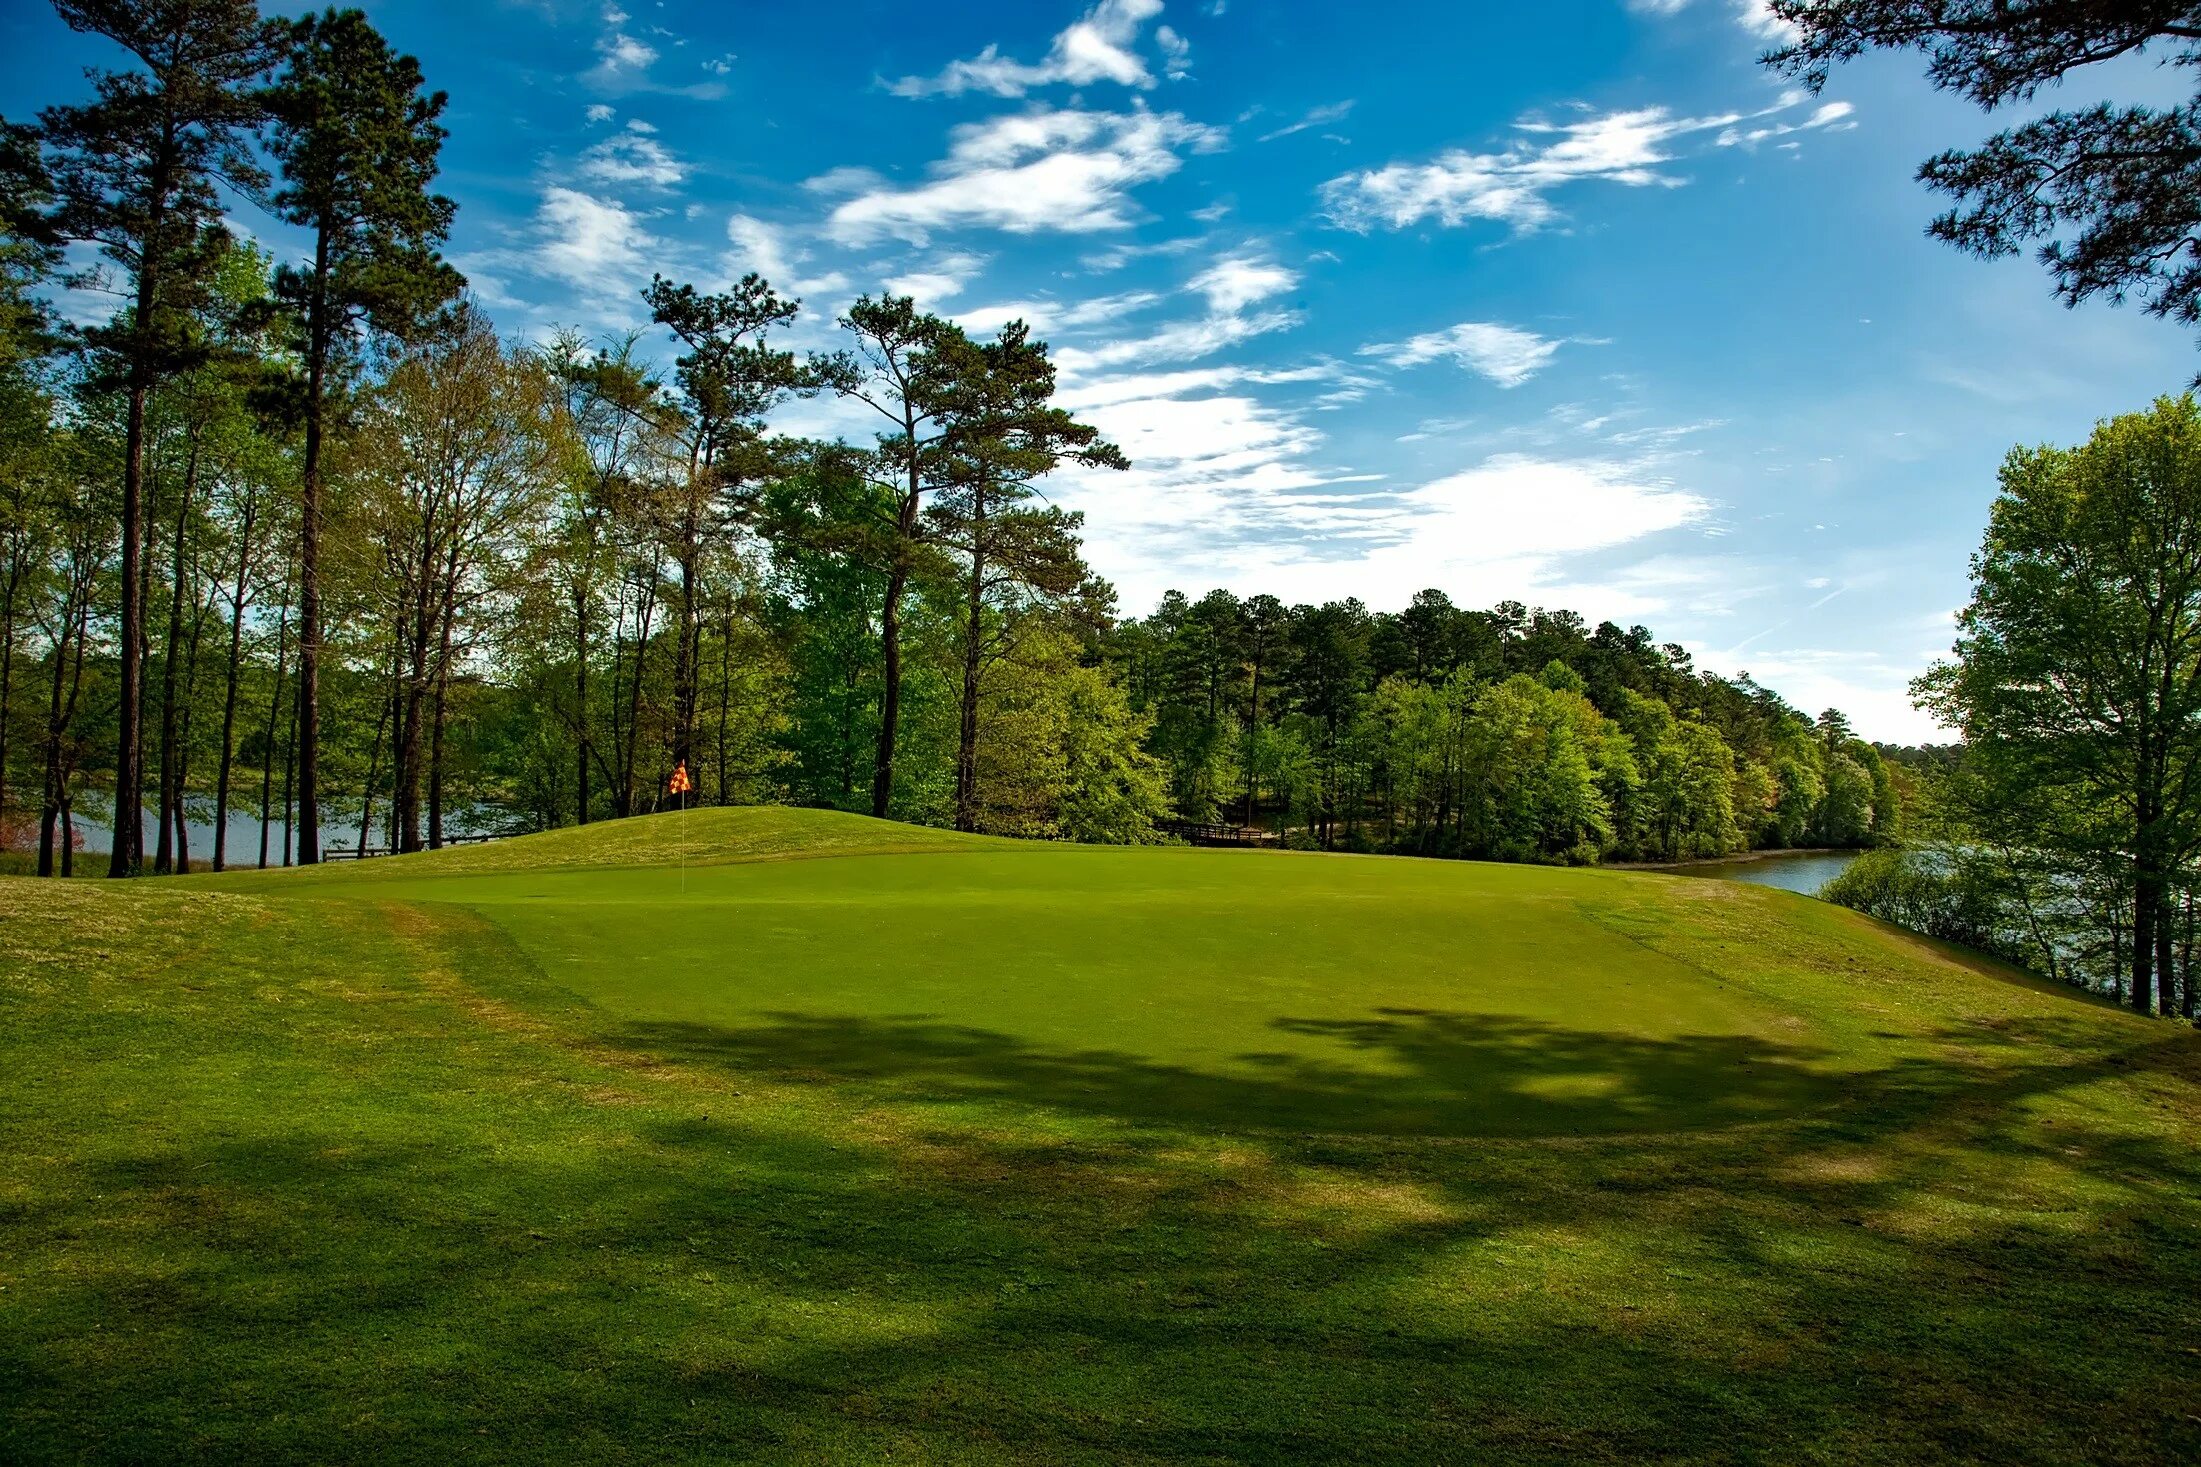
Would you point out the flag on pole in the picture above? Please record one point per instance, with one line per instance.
(679, 784)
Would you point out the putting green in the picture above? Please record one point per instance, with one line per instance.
(786, 1136)
(1218, 988)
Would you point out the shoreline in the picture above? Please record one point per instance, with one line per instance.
(1736, 859)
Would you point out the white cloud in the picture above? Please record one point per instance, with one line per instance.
(1237, 281)
(763, 249)
(1320, 116)
(1756, 17)
(599, 112)
(1182, 341)
(1506, 355)
(1055, 316)
(632, 156)
(1630, 148)
(1176, 52)
(1060, 171)
(1833, 115)
(1097, 47)
(927, 288)
(594, 245)
(622, 52)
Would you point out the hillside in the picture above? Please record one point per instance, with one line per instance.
(644, 1142)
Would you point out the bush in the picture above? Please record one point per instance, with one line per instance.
(1941, 899)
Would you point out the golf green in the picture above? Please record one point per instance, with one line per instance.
(773, 1135)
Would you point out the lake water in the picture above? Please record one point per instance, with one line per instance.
(1804, 871)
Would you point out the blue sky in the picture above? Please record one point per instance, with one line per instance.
(1570, 303)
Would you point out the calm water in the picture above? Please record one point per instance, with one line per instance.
(1806, 872)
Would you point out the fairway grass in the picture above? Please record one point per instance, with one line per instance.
(790, 1136)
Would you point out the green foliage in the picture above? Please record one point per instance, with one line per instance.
(2076, 677)
(2115, 191)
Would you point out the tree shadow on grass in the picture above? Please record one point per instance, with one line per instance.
(1403, 1072)
(417, 1237)
(722, 1285)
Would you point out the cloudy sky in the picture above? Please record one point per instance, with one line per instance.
(1570, 303)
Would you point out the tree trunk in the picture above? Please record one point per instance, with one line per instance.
(442, 699)
(308, 737)
(374, 766)
(183, 729)
(2147, 903)
(50, 803)
(7, 670)
(290, 758)
(229, 692)
(686, 653)
(725, 697)
(974, 644)
(582, 751)
(267, 754)
(890, 692)
(170, 796)
(128, 844)
(2166, 966)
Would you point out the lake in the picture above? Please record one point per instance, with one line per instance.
(1804, 871)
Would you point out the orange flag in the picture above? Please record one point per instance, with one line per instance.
(679, 784)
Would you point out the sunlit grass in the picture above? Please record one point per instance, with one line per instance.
(1005, 1153)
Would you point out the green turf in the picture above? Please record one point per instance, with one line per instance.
(932, 1148)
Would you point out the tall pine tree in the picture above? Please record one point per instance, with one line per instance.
(357, 141)
(137, 171)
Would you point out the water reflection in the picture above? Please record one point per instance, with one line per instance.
(1804, 871)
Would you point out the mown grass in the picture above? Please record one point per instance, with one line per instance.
(1004, 1153)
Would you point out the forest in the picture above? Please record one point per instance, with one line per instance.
(310, 542)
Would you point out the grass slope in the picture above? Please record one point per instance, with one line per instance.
(943, 1149)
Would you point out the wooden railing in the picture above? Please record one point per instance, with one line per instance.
(1194, 833)
(361, 853)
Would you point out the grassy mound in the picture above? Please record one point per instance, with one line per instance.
(956, 1150)
(686, 837)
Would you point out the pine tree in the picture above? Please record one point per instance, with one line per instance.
(1006, 434)
(137, 172)
(728, 379)
(357, 141)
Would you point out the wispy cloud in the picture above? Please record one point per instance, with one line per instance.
(1097, 47)
(768, 250)
(632, 156)
(1756, 17)
(1514, 186)
(1048, 171)
(1319, 117)
(1506, 355)
(1237, 281)
(1050, 315)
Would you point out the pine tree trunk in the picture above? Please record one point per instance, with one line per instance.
(374, 766)
(229, 691)
(974, 642)
(725, 698)
(890, 692)
(127, 853)
(50, 805)
(308, 737)
(183, 731)
(448, 615)
(267, 755)
(7, 671)
(170, 795)
(582, 751)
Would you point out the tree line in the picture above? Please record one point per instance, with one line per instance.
(1511, 733)
(308, 539)
(2065, 831)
